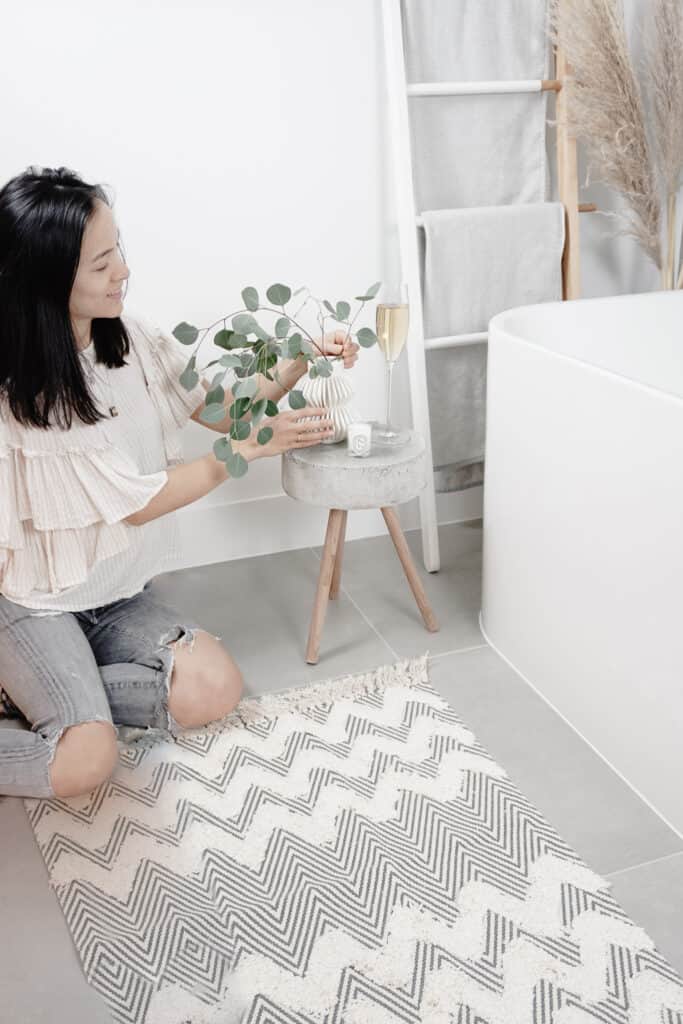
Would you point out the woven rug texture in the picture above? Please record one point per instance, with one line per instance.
(344, 853)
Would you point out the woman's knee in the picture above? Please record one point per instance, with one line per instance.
(85, 756)
(206, 684)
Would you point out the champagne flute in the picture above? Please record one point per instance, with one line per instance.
(392, 332)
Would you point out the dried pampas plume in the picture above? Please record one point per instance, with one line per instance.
(663, 69)
(605, 110)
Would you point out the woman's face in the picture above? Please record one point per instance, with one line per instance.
(101, 269)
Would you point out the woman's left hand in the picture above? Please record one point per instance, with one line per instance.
(335, 343)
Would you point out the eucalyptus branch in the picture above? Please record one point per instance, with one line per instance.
(260, 355)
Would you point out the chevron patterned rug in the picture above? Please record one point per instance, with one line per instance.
(345, 853)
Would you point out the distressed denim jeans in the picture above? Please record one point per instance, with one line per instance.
(58, 669)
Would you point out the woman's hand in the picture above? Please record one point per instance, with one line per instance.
(291, 429)
(335, 343)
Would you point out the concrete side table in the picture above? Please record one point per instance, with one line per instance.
(328, 476)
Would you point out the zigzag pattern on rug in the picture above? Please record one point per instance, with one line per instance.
(347, 854)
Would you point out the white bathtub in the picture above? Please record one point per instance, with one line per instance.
(583, 523)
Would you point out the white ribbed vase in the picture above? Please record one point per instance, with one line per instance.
(334, 393)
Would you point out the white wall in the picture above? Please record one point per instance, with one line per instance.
(245, 143)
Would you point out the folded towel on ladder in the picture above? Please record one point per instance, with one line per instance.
(476, 262)
(476, 150)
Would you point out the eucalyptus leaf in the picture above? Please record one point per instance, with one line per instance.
(295, 345)
(230, 361)
(239, 341)
(328, 305)
(223, 338)
(264, 435)
(244, 323)
(189, 378)
(313, 372)
(250, 299)
(216, 394)
(213, 413)
(246, 388)
(366, 337)
(222, 448)
(343, 310)
(296, 399)
(323, 366)
(279, 294)
(238, 408)
(240, 430)
(282, 327)
(371, 292)
(237, 465)
(271, 408)
(185, 333)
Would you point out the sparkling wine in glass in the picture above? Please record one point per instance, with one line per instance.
(392, 332)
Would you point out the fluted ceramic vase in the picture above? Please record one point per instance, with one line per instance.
(335, 394)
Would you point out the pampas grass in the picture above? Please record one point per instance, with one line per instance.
(605, 110)
(663, 71)
(641, 158)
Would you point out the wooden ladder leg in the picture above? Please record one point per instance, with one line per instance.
(336, 575)
(327, 562)
(401, 545)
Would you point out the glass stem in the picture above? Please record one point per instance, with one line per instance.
(390, 368)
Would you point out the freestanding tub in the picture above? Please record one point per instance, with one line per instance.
(583, 523)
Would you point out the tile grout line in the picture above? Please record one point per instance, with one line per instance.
(645, 863)
(363, 615)
(457, 650)
(441, 654)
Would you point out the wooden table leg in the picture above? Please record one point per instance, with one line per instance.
(335, 520)
(401, 545)
(336, 575)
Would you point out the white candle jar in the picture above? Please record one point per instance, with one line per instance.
(359, 439)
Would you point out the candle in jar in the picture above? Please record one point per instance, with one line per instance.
(359, 439)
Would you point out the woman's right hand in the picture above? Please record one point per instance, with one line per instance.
(291, 429)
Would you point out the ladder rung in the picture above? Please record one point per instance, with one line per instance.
(480, 88)
(454, 340)
(583, 208)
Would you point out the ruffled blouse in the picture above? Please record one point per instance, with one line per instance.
(66, 492)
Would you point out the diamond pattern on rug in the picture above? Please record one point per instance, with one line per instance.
(346, 853)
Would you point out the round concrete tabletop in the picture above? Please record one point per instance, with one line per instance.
(326, 475)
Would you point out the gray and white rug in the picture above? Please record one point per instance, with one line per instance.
(345, 853)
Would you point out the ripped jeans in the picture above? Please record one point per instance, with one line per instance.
(57, 669)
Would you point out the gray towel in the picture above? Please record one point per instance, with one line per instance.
(478, 262)
(481, 260)
(470, 40)
(477, 150)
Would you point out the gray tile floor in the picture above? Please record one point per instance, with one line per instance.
(260, 607)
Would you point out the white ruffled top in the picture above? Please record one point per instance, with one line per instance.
(65, 493)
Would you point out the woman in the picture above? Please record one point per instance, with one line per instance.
(91, 471)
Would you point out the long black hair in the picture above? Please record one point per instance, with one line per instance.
(43, 214)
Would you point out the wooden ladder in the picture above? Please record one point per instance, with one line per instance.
(408, 220)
